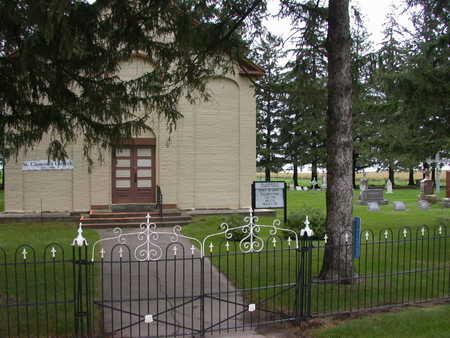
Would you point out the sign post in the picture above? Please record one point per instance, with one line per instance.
(269, 195)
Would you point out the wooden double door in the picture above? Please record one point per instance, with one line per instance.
(133, 174)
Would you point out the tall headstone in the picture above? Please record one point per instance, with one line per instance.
(389, 187)
(426, 190)
(314, 184)
(446, 200)
(363, 184)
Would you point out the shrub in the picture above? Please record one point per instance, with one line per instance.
(233, 221)
(317, 220)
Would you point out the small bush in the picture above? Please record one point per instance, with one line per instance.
(317, 220)
(233, 221)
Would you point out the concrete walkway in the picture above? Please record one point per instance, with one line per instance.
(165, 293)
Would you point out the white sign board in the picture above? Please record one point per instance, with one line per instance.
(269, 195)
(38, 165)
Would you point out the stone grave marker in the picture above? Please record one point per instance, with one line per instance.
(446, 200)
(399, 206)
(424, 205)
(363, 185)
(305, 188)
(314, 184)
(373, 206)
(372, 195)
(389, 187)
(298, 188)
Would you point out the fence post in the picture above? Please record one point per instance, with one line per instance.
(304, 277)
(82, 323)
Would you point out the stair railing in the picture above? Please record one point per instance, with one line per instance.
(159, 200)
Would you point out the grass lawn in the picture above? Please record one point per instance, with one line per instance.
(378, 261)
(426, 322)
(31, 282)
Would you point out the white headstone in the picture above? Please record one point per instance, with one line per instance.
(388, 187)
(314, 183)
(424, 205)
(373, 206)
(305, 188)
(362, 185)
(298, 188)
(399, 206)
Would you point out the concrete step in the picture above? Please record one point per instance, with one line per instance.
(103, 214)
(86, 224)
(140, 219)
(134, 207)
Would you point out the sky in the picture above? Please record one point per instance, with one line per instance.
(374, 11)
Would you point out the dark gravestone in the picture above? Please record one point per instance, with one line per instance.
(446, 201)
(373, 195)
(426, 187)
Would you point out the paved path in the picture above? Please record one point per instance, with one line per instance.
(165, 291)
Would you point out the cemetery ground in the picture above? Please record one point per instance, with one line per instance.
(327, 298)
(386, 263)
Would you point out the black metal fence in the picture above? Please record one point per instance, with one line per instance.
(153, 283)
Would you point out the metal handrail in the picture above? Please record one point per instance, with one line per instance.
(159, 200)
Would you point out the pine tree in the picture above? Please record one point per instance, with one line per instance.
(269, 104)
(59, 61)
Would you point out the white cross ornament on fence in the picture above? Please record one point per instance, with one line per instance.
(306, 230)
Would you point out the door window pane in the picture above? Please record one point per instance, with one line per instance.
(122, 183)
(123, 163)
(144, 152)
(123, 152)
(144, 183)
(144, 163)
(144, 173)
(123, 173)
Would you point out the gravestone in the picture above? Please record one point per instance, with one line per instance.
(372, 195)
(446, 200)
(373, 206)
(389, 187)
(298, 188)
(363, 185)
(426, 191)
(399, 206)
(424, 205)
(305, 188)
(314, 184)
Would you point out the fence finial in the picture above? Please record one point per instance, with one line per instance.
(309, 232)
(80, 240)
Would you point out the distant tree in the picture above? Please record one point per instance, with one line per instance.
(269, 104)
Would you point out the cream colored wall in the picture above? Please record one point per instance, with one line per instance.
(208, 162)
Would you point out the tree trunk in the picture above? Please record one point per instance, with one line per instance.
(314, 171)
(295, 176)
(433, 174)
(338, 263)
(391, 175)
(411, 177)
(267, 170)
(354, 171)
